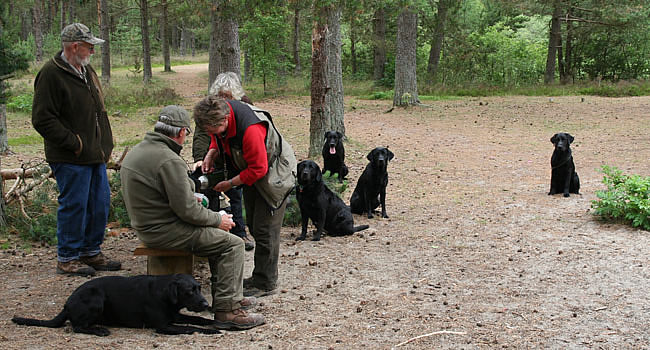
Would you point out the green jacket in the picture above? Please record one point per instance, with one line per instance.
(158, 193)
(70, 115)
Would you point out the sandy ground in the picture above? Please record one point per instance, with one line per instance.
(475, 254)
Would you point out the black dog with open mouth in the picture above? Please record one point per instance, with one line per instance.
(334, 155)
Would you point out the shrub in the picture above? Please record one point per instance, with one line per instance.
(626, 198)
(41, 207)
(118, 211)
(20, 103)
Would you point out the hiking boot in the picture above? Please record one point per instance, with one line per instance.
(101, 263)
(74, 267)
(248, 303)
(249, 244)
(258, 293)
(248, 282)
(237, 320)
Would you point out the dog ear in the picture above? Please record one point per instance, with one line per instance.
(338, 133)
(369, 156)
(319, 175)
(390, 154)
(570, 138)
(327, 134)
(554, 139)
(172, 289)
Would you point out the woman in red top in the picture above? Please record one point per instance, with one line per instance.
(239, 135)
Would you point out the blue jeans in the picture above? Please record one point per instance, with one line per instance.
(84, 202)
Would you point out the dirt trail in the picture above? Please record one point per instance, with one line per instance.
(473, 245)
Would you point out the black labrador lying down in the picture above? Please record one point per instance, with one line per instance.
(334, 154)
(371, 186)
(326, 210)
(564, 178)
(134, 302)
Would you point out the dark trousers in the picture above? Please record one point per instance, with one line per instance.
(264, 225)
(235, 195)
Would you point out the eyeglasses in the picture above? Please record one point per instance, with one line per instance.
(90, 47)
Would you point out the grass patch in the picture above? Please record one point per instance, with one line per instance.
(34, 139)
(130, 143)
(127, 95)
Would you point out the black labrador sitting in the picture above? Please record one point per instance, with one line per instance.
(371, 186)
(334, 154)
(134, 302)
(564, 178)
(318, 203)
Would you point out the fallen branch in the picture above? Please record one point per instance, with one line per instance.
(22, 208)
(117, 165)
(9, 197)
(9, 174)
(428, 335)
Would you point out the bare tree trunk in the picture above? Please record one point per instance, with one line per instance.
(3, 216)
(439, 36)
(183, 44)
(105, 26)
(146, 48)
(353, 49)
(230, 53)
(334, 95)
(318, 122)
(36, 27)
(64, 11)
(406, 86)
(247, 67)
(72, 12)
(4, 137)
(296, 41)
(567, 67)
(379, 44)
(163, 37)
(553, 44)
(214, 60)
(25, 24)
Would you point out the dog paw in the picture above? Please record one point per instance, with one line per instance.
(566, 195)
(316, 239)
(385, 216)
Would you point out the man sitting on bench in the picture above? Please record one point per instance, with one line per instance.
(159, 198)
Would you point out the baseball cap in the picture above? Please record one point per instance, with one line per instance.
(175, 116)
(79, 32)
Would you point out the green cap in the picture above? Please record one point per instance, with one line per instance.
(175, 116)
(79, 32)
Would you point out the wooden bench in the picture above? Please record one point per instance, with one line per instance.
(166, 261)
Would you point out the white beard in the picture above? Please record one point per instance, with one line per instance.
(85, 61)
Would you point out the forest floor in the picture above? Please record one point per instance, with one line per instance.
(475, 254)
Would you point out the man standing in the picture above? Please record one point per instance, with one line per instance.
(69, 112)
(159, 197)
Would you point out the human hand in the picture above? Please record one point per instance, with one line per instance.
(196, 165)
(223, 186)
(226, 221)
(208, 161)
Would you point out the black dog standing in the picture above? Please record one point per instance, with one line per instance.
(564, 178)
(134, 302)
(371, 186)
(318, 203)
(334, 154)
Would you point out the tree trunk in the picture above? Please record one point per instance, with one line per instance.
(72, 12)
(105, 28)
(334, 95)
(4, 137)
(3, 217)
(247, 68)
(406, 86)
(438, 38)
(146, 48)
(296, 41)
(230, 53)
(379, 44)
(318, 123)
(183, 44)
(163, 37)
(214, 57)
(567, 68)
(353, 49)
(64, 11)
(26, 21)
(554, 38)
(36, 27)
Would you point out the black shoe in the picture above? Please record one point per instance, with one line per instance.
(258, 293)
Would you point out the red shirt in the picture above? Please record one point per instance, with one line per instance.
(253, 148)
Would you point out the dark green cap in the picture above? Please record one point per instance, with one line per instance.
(175, 116)
(79, 32)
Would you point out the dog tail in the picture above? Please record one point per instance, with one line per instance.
(360, 228)
(56, 322)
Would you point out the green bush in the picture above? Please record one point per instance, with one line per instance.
(626, 198)
(118, 211)
(41, 208)
(131, 95)
(20, 103)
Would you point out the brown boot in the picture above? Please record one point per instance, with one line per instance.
(237, 320)
(74, 267)
(101, 263)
